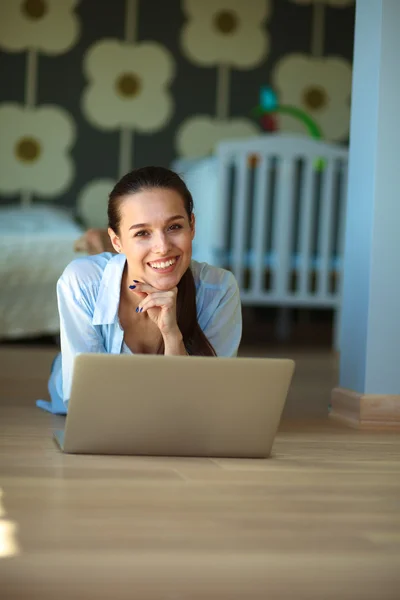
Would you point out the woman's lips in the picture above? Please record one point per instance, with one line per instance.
(168, 268)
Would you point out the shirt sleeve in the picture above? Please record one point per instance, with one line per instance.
(223, 327)
(77, 333)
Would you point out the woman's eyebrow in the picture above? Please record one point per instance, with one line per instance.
(140, 225)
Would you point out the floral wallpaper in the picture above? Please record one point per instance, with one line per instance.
(92, 89)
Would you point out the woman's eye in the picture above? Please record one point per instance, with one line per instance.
(145, 233)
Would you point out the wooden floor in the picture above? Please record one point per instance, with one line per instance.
(319, 520)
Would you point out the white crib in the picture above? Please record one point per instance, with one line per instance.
(272, 209)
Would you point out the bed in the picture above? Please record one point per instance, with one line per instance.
(272, 210)
(36, 244)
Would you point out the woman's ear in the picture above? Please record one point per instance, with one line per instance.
(114, 240)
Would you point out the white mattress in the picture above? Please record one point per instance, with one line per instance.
(36, 244)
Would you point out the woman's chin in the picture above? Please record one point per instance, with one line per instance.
(164, 282)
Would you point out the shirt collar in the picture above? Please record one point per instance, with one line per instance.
(107, 303)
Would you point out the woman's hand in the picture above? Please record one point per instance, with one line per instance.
(160, 306)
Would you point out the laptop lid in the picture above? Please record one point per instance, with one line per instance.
(175, 405)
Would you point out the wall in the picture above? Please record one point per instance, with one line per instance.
(91, 89)
(370, 344)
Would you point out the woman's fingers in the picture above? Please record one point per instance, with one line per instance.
(138, 286)
(160, 306)
(160, 300)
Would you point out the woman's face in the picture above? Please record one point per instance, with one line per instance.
(156, 237)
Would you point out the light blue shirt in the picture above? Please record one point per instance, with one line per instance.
(88, 294)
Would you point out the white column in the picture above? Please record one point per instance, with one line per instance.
(370, 334)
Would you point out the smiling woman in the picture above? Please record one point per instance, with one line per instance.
(150, 297)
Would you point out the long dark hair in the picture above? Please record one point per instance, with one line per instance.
(148, 178)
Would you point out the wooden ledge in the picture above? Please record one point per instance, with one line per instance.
(366, 411)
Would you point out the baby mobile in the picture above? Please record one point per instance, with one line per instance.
(269, 108)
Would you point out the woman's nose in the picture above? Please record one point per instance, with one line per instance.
(161, 243)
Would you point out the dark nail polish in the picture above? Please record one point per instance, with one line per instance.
(132, 287)
(135, 281)
(141, 309)
(137, 310)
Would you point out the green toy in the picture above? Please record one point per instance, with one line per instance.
(269, 107)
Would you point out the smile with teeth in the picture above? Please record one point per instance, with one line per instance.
(163, 264)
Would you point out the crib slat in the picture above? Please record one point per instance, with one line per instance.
(260, 221)
(283, 227)
(305, 227)
(324, 253)
(220, 244)
(240, 216)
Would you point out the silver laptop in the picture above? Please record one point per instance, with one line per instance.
(175, 405)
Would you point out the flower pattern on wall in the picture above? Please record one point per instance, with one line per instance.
(49, 26)
(319, 86)
(123, 93)
(128, 85)
(92, 203)
(200, 135)
(225, 31)
(34, 149)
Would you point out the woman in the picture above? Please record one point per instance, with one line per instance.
(150, 297)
